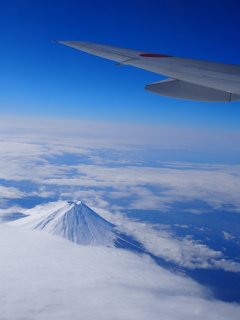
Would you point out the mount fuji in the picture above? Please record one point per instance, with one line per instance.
(75, 221)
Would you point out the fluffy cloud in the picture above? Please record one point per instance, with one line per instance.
(46, 277)
(11, 193)
(218, 187)
(10, 210)
(35, 152)
(163, 243)
(227, 236)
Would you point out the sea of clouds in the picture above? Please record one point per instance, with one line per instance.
(46, 277)
(103, 165)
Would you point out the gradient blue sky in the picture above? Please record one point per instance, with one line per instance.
(45, 79)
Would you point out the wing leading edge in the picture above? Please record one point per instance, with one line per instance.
(189, 79)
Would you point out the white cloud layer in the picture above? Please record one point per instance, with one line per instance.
(29, 150)
(109, 134)
(11, 193)
(218, 187)
(48, 278)
(163, 243)
(45, 277)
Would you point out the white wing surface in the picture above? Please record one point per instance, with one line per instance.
(189, 79)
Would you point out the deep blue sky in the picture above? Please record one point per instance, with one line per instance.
(41, 78)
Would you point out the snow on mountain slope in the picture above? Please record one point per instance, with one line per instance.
(76, 222)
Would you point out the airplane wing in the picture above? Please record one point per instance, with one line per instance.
(189, 78)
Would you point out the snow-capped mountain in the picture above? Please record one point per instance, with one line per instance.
(76, 222)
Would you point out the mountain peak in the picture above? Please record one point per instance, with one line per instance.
(72, 220)
(75, 221)
(73, 202)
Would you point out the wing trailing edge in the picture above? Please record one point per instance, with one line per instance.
(185, 90)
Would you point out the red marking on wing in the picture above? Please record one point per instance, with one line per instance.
(154, 55)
